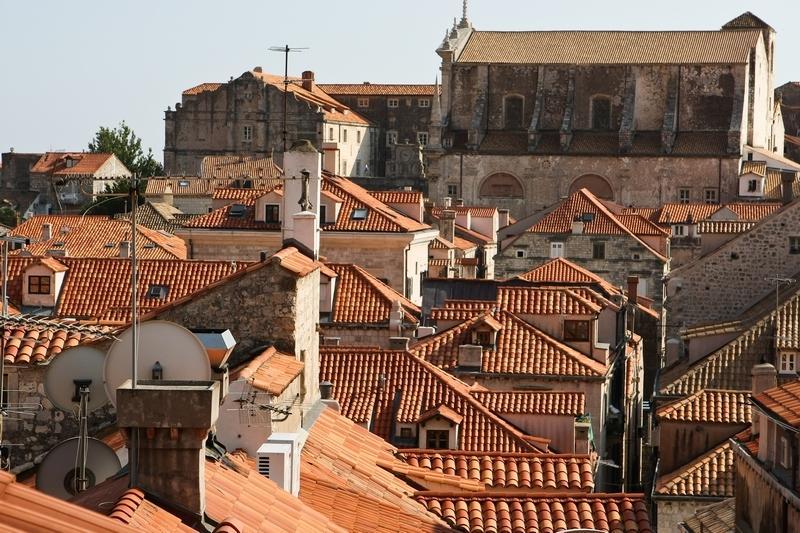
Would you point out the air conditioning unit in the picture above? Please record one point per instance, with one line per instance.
(279, 460)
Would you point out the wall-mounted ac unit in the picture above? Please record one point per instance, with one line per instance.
(279, 460)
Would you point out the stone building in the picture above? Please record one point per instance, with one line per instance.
(245, 117)
(642, 118)
(788, 97)
(15, 169)
(401, 114)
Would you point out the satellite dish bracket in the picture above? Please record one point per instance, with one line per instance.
(80, 385)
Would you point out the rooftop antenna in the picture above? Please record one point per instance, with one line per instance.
(286, 50)
(778, 281)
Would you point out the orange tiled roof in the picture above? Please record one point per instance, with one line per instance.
(475, 211)
(398, 197)
(488, 512)
(367, 381)
(537, 403)
(520, 349)
(440, 243)
(708, 227)
(271, 371)
(533, 471)
(754, 167)
(23, 508)
(158, 216)
(609, 47)
(544, 301)
(709, 406)
(715, 518)
(754, 211)
(782, 402)
(377, 89)
(460, 309)
(84, 164)
(135, 511)
(561, 270)
(361, 298)
(96, 236)
(262, 168)
(220, 218)
(27, 344)
(237, 194)
(680, 213)
(203, 87)
(711, 474)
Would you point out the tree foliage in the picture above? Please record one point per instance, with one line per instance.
(8, 217)
(123, 142)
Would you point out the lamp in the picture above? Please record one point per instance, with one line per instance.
(158, 372)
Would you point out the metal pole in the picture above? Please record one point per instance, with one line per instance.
(83, 441)
(134, 447)
(285, 93)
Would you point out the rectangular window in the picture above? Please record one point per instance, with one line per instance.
(272, 213)
(452, 190)
(601, 113)
(424, 102)
(4, 398)
(330, 134)
(437, 439)
(393, 102)
(344, 135)
(247, 133)
(556, 249)
(794, 245)
(484, 338)
(38, 284)
(752, 186)
(598, 250)
(358, 136)
(344, 168)
(323, 214)
(678, 230)
(576, 330)
(422, 138)
(391, 137)
(684, 196)
(710, 196)
(359, 213)
(520, 254)
(363, 102)
(788, 363)
(358, 167)
(406, 433)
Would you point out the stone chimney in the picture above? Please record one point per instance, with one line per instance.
(692, 227)
(459, 202)
(447, 225)
(302, 181)
(788, 178)
(168, 197)
(504, 217)
(764, 377)
(125, 249)
(396, 316)
(633, 289)
(308, 80)
(448, 202)
(47, 231)
(173, 419)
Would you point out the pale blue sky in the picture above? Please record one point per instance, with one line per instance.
(69, 67)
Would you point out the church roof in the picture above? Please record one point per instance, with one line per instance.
(609, 47)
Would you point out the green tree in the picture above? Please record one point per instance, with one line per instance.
(123, 142)
(8, 217)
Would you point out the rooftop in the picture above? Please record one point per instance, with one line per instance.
(271, 371)
(361, 298)
(711, 474)
(377, 89)
(709, 406)
(782, 403)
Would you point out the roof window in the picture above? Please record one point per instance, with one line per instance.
(237, 211)
(149, 245)
(359, 213)
(157, 292)
(183, 183)
(109, 245)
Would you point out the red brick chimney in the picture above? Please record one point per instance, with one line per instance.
(633, 289)
(308, 80)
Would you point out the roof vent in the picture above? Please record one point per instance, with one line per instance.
(149, 245)
(237, 211)
(587, 217)
(59, 244)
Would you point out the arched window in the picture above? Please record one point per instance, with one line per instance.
(597, 185)
(501, 185)
(513, 111)
(601, 113)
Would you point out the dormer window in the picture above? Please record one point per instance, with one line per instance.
(788, 363)
(437, 439)
(438, 428)
(576, 330)
(39, 284)
(272, 213)
(484, 338)
(157, 292)
(752, 185)
(359, 213)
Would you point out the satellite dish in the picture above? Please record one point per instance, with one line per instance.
(57, 473)
(179, 354)
(73, 366)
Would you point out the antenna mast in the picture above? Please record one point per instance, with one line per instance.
(286, 50)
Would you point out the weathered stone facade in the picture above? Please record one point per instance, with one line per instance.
(788, 95)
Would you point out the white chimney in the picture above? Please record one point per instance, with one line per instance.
(279, 460)
(577, 227)
(47, 231)
(301, 161)
(306, 232)
(470, 357)
(124, 249)
(425, 331)
(448, 202)
(396, 316)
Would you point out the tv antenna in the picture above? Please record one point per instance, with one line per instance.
(286, 50)
(256, 409)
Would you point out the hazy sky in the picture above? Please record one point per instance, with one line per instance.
(69, 67)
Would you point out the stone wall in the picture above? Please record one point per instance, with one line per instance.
(760, 505)
(670, 513)
(723, 284)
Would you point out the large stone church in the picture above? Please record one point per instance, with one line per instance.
(641, 117)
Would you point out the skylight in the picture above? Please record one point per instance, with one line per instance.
(359, 213)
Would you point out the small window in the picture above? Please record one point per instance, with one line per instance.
(330, 134)
(576, 330)
(247, 133)
(636, 256)
(344, 168)
(484, 338)
(406, 433)
(157, 292)
(788, 363)
(520, 254)
(359, 213)
(272, 213)
(710, 196)
(344, 135)
(237, 211)
(556, 249)
(601, 113)
(452, 190)
(393, 102)
(424, 102)
(38, 284)
(598, 250)
(358, 136)
(678, 230)
(437, 439)
(391, 137)
(794, 245)
(513, 109)
(752, 186)
(422, 138)
(363, 102)
(358, 167)
(183, 183)
(684, 196)
(323, 214)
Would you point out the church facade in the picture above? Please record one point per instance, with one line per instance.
(640, 118)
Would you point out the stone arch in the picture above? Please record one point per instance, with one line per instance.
(597, 185)
(501, 185)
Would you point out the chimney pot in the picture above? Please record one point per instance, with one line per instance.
(459, 202)
(258, 69)
(308, 80)
(577, 227)
(447, 223)
(326, 390)
(764, 377)
(448, 202)
(788, 178)
(47, 231)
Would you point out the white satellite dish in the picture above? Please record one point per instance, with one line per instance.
(57, 474)
(179, 353)
(71, 368)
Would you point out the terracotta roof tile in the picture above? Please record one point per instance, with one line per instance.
(83, 163)
(361, 298)
(754, 167)
(533, 471)
(367, 382)
(203, 87)
(520, 349)
(544, 301)
(376, 89)
(261, 169)
(708, 227)
(96, 236)
(27, 344)
(782, 402)
(622, 513)
(441, 411)
(158, 216)
(547, 403)
(398, 197)
(773, 186)
(754, 210)
(237, 194)
(271, 371)
(474, 211)
(440, 243)
(715, 518)
(680, 213)
(561, 270)
(711, 474)
(709, 406)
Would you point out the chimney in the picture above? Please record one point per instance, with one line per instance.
(396, 316)
(168, 197)
(124, 249)
(306, 232)
(633, 289)
(302, 180)
(447, 225)
(787, 182)
(308, 80)
(459, 202)
(577, 226)
(673, 351)
(326, 395)
(398, 343)
(470, 357)
(258, 69)
(504, 217)
(764, 377)
(173, 419)
(448, 202)
(583, 442)
(47, 231)
(692, 227)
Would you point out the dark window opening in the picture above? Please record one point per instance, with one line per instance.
(272, 213)
(437, 439)
(406, 433)
(514, 106)
(601, 113)
(794, 245)
(598, 250)
(576, 330)
(323, 214)
(39, 284)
